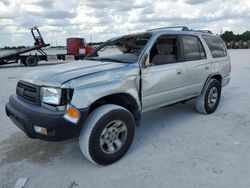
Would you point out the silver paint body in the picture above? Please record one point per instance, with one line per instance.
(161, 85)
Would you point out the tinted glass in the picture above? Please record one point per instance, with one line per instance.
(202, 51)
(191, 48)
(216, 46)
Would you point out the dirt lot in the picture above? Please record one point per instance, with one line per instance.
(174, 147)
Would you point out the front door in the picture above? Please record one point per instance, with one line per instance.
(162, 79)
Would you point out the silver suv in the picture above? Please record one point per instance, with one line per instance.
(101, 98)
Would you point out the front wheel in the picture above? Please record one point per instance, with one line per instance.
(107, 134)
(209, 100)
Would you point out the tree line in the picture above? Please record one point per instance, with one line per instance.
(229, 36)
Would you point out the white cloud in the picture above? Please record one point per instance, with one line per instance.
(59, 19)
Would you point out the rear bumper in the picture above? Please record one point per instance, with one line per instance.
(26, 116)
(225, 81)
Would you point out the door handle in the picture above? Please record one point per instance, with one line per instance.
(207, 67)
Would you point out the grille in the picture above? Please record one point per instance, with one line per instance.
(28, 92)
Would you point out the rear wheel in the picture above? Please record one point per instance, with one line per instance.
(107, 134)
(31, 61)
(209, 100)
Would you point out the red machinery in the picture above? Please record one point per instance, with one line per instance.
(78, 48)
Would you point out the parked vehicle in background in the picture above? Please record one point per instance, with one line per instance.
(76, 49)
(101, 99)
(29, 60)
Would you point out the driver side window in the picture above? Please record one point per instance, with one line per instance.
(165, 50)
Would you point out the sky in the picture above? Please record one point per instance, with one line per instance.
(103, 19)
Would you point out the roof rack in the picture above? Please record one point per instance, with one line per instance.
(203, 31)
(183, 28)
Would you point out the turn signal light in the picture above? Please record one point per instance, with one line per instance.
(72, 112)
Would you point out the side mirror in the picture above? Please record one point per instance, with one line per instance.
(144, 61)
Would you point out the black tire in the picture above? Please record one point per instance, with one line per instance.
(92, 130)
(31, 61)
(206, 103)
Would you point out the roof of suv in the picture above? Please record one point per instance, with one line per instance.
(169, 30)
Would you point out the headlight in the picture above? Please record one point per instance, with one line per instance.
(51, 95)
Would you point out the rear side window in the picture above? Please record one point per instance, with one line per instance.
(216, 46)
(193, 49)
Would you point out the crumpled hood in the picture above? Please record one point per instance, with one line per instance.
(59, 74)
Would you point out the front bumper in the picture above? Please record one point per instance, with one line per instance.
(26, 116)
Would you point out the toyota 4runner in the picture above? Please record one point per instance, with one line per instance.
(101, 98)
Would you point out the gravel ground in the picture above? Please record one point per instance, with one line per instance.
(173, 147)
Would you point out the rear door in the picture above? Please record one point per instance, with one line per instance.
(197, 67)
(220, 58)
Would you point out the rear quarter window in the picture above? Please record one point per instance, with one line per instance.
(193, 49)
(216, 46)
